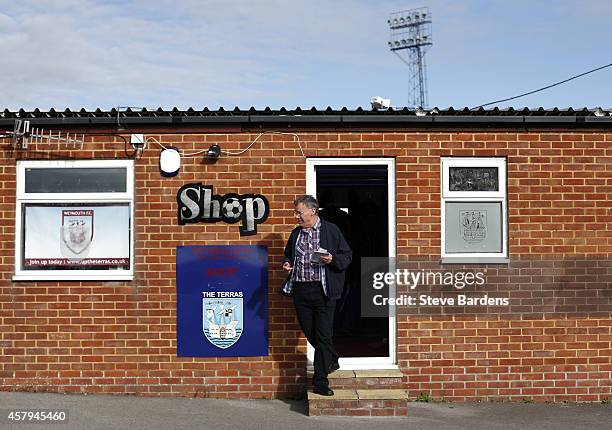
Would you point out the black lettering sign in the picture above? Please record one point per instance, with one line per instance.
(197, 203)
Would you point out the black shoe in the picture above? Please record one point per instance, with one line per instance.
(323, 391)
(333, 367)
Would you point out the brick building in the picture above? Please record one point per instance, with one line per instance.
(396, 179)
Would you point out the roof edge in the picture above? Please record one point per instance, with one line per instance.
(252, 117)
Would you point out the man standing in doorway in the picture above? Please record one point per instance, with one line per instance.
(317, 255)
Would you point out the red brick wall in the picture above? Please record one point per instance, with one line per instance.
(119, 337)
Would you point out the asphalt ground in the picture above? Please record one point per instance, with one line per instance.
(131, 412)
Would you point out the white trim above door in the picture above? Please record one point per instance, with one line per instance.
(359, 363)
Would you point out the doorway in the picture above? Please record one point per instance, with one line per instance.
(358, 195)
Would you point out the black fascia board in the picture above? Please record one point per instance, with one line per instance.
(550, 119)
(364, 119)
(290, 119)
(309, 118)
(214, 119)
(48, 121)
(605, 119)
(478, 119)
(105, 120)
(144, 120)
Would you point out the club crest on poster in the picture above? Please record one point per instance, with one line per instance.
(473, 225)
(222, 321)
(77, 231)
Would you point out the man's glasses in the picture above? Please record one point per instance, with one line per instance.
(296, 213)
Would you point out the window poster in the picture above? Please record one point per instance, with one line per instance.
(76, 236)
(473, 227)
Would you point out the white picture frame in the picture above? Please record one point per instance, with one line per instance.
(473, 197)
(74, 199)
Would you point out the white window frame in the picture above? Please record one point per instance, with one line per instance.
(499, 196)
(69, 198)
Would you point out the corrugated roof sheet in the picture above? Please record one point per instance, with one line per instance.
(205, 112)
(313, 115)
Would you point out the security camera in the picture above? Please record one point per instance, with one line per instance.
(380, 103)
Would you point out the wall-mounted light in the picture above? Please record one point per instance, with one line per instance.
(214, 151)
(169, 161)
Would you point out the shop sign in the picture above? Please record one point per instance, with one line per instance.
(197, 203)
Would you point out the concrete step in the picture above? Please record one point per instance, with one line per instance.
(364, 379)
(360, 402)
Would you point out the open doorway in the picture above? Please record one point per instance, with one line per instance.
(358, 196)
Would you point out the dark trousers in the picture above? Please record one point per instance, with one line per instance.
(315, 313)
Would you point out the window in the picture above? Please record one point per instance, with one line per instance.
(474, 212)
(74, 220)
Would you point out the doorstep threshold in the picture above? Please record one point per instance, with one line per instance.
(371, 373)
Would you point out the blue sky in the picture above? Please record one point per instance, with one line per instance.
(162, 53)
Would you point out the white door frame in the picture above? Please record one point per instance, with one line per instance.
(358, 363)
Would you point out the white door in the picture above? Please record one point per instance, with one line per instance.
(374, 362)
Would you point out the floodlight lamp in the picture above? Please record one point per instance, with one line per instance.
(390, 43)
(401, 20)
(397, 43)
(395, 21)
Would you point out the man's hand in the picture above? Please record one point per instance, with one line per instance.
(287, 267)
(326, 259)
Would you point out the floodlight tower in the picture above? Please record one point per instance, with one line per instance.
(411, 34)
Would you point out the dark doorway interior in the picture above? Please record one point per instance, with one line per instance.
(355, 199)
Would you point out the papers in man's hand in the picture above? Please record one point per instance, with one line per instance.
(316, 256)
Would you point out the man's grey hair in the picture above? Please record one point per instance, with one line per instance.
(309, 201)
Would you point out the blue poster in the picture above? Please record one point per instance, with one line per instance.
(222, 301)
